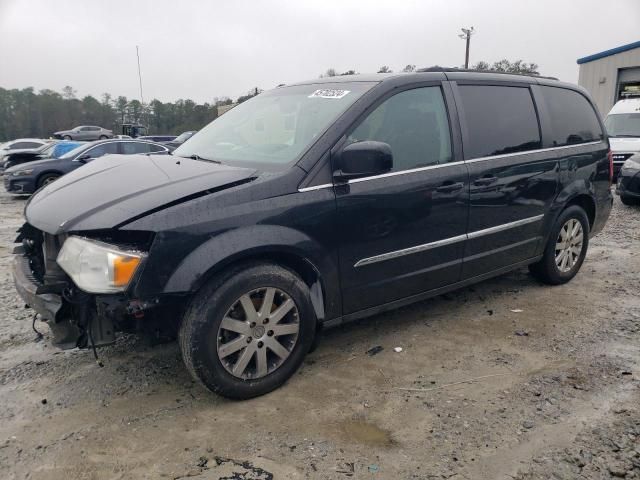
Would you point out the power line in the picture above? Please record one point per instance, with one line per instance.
(466, 35)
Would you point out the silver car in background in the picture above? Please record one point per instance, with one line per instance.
(84, 132)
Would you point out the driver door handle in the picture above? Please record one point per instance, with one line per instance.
(448, 187)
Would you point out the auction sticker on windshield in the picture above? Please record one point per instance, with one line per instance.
(329, 93)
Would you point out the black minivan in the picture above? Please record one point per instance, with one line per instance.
(314, 204)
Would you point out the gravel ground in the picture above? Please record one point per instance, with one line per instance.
(505, 379)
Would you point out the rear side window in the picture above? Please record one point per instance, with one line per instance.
(573, 119)
(103, 149)
(19, 145)
(414, 123)
(499, 120)
(130, 148)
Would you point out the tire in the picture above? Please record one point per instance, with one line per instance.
(67, 137)
(47, 178)
(629, 201)
(556, 271)
(235, 359)
(103, 137)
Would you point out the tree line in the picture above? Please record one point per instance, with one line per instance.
(503, 66)
(27, 113)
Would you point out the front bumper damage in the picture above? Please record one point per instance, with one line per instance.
(79, 319)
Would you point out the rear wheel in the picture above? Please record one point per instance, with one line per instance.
(631, 201)
(247, 331)
(103, 137)
(565, 249)
(47, 179)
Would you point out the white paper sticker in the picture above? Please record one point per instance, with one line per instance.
(329, 93)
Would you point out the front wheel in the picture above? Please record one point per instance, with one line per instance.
(247, 331)
(47, 179)
(103, 137)
(565, 249)
(67, 137)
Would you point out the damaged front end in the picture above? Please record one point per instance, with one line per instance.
(85, 307)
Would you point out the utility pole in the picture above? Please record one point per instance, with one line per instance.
(466, 35)
(139, 75)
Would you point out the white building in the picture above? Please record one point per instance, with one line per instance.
(611, 75)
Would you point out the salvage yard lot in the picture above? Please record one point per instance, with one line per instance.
(478, 391)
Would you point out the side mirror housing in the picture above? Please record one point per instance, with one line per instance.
(84, 158)
(364, 159)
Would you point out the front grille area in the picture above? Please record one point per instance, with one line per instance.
(621, 157)
(41, 249)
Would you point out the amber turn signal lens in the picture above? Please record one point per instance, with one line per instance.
(123, 269)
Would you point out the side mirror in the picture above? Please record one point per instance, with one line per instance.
(364, 159)
(84, 158)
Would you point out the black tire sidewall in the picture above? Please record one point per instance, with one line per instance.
(202, 321)
(549, 261)
(43, 178)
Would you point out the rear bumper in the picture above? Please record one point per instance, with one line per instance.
(603, 210)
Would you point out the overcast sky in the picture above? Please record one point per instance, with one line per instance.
(206, 49)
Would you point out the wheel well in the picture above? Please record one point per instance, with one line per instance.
(587, 204)
(300, 265)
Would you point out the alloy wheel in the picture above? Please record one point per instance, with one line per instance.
(258, 333)
(569, 245)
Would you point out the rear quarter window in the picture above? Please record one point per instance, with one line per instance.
(573, 119)
(499, 120)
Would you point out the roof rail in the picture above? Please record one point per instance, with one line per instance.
(471, 70)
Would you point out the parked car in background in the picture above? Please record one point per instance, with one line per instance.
(180, 139)
(20, 144)
(315, 204)
(158, 138)
(628, 185)
(23, 179)
(53, 149)
(84, 132)
(623, 127)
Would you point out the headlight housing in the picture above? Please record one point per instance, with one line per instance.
(98, 267)
(21, 173)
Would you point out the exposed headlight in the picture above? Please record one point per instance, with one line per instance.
(21, 173)
(98, 267)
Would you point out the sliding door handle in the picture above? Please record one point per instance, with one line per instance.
(488, 180)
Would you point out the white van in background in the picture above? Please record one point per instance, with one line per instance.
(623, 127)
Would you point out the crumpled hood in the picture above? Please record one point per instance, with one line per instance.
(624, 144)
(109, 191)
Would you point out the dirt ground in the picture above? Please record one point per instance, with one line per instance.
(505, 379)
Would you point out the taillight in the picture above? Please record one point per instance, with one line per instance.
(610, 156)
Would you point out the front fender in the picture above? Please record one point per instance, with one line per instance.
(255, 241)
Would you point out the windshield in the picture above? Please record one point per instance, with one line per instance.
(623, 125)
(275, 127)
(46, 149)
(73, 152)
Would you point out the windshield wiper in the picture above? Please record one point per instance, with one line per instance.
(195, 156)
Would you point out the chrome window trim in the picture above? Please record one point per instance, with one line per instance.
(442, 165)
(446, 241)
(315, 187)
(471, 160)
